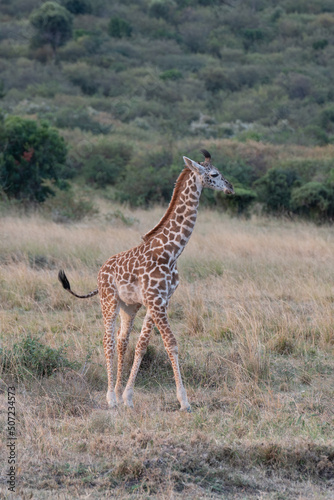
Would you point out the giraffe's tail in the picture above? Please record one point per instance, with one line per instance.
(66, 284)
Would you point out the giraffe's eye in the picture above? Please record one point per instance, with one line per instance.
(214, 175)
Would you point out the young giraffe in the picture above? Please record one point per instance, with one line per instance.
(147, 275)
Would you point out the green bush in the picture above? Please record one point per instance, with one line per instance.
(77, 118)
(320, 44)
(88, 79)
(30, 154)
(316, 134)
(66, 206)
(252, 36)
(118, 27)
(78, 6)
(106, 162)
(326, 119)
(238, 204)
(161, 8)
(237, 171)
(30, 357)
(171, 74)
(149, 178)
(274, 189)
(314, 200)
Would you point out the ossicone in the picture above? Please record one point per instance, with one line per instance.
(206, 154)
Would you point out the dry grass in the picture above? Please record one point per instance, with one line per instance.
(254, 319)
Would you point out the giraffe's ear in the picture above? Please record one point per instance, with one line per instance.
(194, 166)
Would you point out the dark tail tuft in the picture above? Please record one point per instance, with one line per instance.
(63, 280)
(206, 154)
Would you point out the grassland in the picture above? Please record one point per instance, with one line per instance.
(254, 320)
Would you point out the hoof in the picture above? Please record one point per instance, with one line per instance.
(127, 398)
(111, 400)
(186, 409)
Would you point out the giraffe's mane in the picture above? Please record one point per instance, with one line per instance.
(184, 175)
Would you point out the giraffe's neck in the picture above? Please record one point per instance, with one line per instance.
(172, 233)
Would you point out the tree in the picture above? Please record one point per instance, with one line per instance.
(53, 25)
(30, 155)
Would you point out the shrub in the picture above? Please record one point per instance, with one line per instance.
(298, 86)
(237, 172)
(88, 79)
(65, 206)
(31, 357)
(239, 203)
(252, 36)
(31, 154)
(78, 118)
(326, 119)
(314, 200)
(320, 44)
(316, 133)
(274, 189)
(2, 89)
(118, 27)
(161, 8)
(148, 179)
(171, 74)
(78, 6)
(216, 79)
(105, 163)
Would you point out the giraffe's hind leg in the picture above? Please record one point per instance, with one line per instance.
(127, 314)
(110, 304)
(141, 347)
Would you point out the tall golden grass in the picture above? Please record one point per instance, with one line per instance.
(254, 320)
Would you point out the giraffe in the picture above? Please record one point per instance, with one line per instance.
(147, 275)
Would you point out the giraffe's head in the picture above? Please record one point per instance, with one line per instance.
(209, 175)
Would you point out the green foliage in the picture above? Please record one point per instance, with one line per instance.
(2, 89)
(314, 200)
(316, 133)
(119, 27)
(78, 6)
(327, 119)
(237, 171)
(65, 206)
(148, 179)
(30, 154)
(53, 25)
(171, 74)
(320, 44)
(274, 189)
(87, 79)
(105, 163)
(252, 36)
(77, 118)
(238, 204)
(161, 8)
(30, 357)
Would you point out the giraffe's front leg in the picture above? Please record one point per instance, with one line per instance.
(159, 315)
(127, 314)
(141, 347)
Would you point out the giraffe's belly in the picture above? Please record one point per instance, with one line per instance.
(130, 293)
